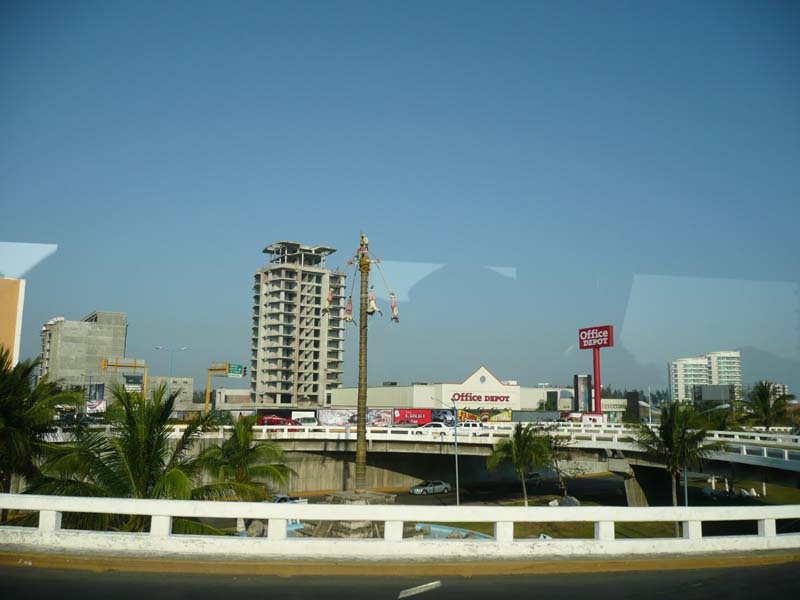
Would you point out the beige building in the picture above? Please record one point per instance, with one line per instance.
(12, 300)
(297, 341)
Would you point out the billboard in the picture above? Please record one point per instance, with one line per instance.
(96, 402)
(344, 417)
(601, 336)
(420, 416)
(485, 415)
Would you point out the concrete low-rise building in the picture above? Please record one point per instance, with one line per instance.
(481, 391)
(238, 402)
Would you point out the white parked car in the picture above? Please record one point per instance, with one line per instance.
(308, 421)
(435, 427)
(430, 487)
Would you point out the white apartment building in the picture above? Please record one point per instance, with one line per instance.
(297, 344)
(715, 368)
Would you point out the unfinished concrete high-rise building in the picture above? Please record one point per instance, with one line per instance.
(297, 340)
(72, 351)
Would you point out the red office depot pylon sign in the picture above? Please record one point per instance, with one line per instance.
(594, 338)
(601, 336)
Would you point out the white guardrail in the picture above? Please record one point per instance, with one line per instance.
(488, 434)
(781, 450)
(49, 535)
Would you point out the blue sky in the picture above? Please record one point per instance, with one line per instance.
(590, 145)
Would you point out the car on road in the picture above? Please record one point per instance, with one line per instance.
(308, 421)
(433, 486)
(434, 427)
(276, 421)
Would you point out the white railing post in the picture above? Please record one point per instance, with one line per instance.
(764, 452)
(393, 531)
(766, 528)
(504, 531)
(785, 455)
(277, 529)
(49, 520)
(604, 530)
(161, 525)
(692, 530)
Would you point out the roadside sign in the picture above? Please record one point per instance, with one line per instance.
(235, 371)
(133, 383)
(596, 337)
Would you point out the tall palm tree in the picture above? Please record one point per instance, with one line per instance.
(524, 450)
(765, 406)
(27, 414)
(239, 460)
(677, 443)
(139, 460)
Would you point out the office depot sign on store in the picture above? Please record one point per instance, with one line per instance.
(470, 397)
(596, 337)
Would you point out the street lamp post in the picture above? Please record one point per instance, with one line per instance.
(170, 352)
(455, 435)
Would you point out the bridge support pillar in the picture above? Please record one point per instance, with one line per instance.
(634, 492)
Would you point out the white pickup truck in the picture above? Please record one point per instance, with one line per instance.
(471, 428)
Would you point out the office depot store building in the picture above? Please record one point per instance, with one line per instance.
(481, 396)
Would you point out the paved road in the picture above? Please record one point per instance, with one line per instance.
(777, 581)
(608, 490)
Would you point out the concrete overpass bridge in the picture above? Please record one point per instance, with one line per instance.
(323, 457)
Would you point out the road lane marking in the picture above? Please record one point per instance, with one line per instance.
(426, 587)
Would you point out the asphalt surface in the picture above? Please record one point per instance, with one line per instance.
(729, 583)
(608, 490)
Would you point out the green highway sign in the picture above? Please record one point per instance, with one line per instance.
(235, 370)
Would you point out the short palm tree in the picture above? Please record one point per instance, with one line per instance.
(138, 460)
(239, 460)
(765, 406)
(677, 443)
(524, 450)
(27, 414)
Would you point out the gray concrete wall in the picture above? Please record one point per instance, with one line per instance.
(77, 348)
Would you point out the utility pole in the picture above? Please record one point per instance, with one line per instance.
(361, 419)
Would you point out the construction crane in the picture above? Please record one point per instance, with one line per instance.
(129, 364)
